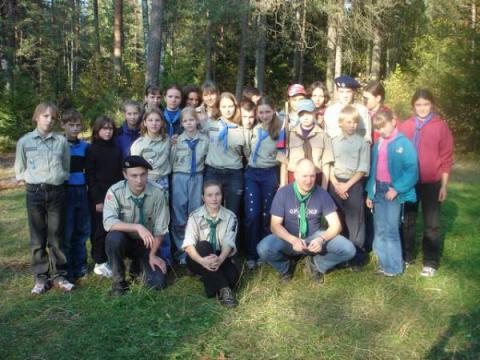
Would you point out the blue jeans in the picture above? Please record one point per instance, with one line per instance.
(186, 197)
(77, 230)
(277, 252)
(260, 188)
(232, 182)
(386, 242)
(45, 211)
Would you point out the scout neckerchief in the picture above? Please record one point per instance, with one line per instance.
(303, 199)
(418, 126)
(192, 144)
(223, 134)
(262, 135)
(171, 118)
(139, 204)
(213, 232)
(307, 147)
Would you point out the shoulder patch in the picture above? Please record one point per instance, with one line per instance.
(109, 197)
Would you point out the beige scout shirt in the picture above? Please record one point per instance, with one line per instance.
(352, 154)
(216, 156)
(333, 128)
(119, 207)
(42, 160)
(181, 155)
(321, 148)
(267, 153)
(157, 152)
(198, 228)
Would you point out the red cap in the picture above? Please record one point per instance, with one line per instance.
(296, 89)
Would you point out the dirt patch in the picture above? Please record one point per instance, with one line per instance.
(7, 174)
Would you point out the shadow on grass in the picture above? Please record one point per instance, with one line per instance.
(466, 326)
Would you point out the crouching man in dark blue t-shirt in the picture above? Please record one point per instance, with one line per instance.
(297, 210)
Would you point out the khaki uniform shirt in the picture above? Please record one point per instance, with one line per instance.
(352, 154)
(267, 153)
(331, 121)
(181, 155)
(41, 160)
(157, 152)
(198, 228)
(119, 207)
(321, 148)
(216, 156)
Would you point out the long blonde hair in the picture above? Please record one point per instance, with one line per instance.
(236, 118)
(275, 125)
(163, 126)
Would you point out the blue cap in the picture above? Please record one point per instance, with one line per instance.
(134, 161)
(346, 81)
(305, 105)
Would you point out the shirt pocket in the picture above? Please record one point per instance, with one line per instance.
(33, 158)
(126, 214)
(57, 160)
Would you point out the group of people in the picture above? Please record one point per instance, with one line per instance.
(194, 173)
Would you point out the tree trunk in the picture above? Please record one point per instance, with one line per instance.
(145, 26)
(154, 42)
(260, 53)
(473, 26)
(117, 36)
(376, 53)
(300, 41)
(243, 48)
(75, 51)
(208, 49)
(331, 46)
(368, 60)
(8, 42)
(338, 52)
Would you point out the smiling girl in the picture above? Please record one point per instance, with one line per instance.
(261, 177)
(433, 140)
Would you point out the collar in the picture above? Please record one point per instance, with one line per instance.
(36, 134)
(183, 136)
(129, 194)
(316, 129)
(222, 214)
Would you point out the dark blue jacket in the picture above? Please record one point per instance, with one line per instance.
(125, 138)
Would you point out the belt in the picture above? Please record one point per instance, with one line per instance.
(43, 187)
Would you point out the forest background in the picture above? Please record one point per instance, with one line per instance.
(92, 54)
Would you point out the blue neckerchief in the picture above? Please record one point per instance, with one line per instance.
(171, 118)
(223, 134)
(192, 144)
(418, 126)
(262, 135)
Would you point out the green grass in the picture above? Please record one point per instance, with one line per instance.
(353, 316)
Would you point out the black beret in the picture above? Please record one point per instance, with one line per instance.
(345, 81)
(134, 161)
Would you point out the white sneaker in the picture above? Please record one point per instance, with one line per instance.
(428, 271)
(103, 270)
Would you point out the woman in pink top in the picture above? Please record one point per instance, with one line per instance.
(434, 143)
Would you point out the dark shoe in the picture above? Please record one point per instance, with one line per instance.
(119, 289)
(227, 298)
(356, 268)
(287, 276)
(313, 272)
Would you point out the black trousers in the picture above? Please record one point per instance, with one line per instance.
(119, 246)
(97, 237)
(46, 220)
(226, 276)
(352, 216)
(427, 196)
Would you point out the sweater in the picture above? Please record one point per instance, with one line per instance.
(435, 147)
(103, 168)
(125, 138)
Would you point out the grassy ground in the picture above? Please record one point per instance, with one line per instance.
(353, 316)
